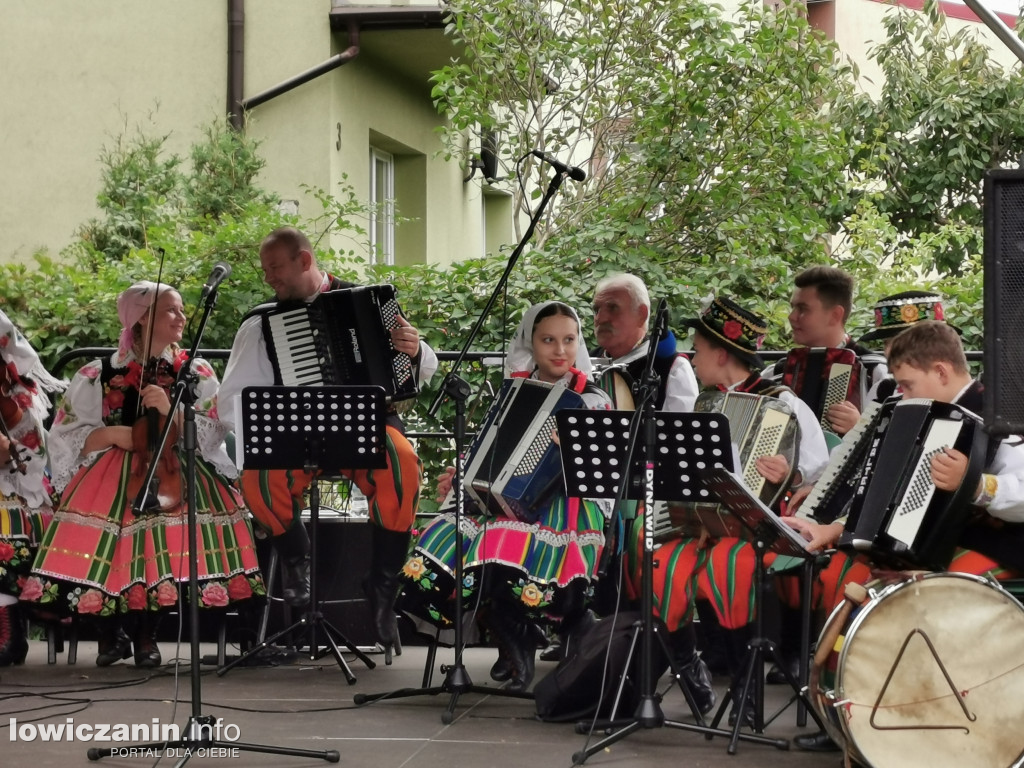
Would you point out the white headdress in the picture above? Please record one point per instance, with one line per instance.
(520, 354)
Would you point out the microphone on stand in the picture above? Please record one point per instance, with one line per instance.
(576, 174)
(220, 272)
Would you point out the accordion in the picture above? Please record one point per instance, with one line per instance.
(897, 515)
(824, 376)
(760, 426)
(834, 490)
(513, 465)
(341, 337)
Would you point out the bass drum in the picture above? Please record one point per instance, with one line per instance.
(928, 672)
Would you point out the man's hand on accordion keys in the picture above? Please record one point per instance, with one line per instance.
(444, 483)
(819, 537)
(405, 338)
(948, 469)
(843, 417)
(774, 469)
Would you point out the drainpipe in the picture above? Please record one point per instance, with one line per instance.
(236, 63)
(310, 74)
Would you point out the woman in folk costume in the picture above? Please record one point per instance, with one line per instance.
(25, 491)
(98, 557)
(525, 572)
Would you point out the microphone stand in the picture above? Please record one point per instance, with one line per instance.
(201, 730)
(457, 680)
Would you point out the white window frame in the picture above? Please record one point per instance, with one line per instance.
(382, 199)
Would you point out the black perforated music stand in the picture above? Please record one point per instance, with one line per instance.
(313, 428)
(596, 447)
(767, 533)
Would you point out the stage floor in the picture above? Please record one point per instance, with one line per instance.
(310, 706)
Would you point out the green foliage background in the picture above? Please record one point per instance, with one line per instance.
(726, 154)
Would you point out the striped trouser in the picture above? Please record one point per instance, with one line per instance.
(275, 496)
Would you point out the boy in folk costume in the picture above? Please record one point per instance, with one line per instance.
(927, 361)
(727, 338)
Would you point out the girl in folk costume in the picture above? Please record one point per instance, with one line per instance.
(98, 557)
(25, 491)
(524, 572)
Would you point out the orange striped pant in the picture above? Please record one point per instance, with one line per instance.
(275, 496)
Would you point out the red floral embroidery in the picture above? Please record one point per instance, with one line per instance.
(939, 314)
(732, 329)
(214, 594)
(137, 599)
(238, 588)
(90, 602)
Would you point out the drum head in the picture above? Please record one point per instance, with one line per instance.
(901, 710)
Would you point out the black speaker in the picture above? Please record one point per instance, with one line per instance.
(343, 558)
(1004, 302)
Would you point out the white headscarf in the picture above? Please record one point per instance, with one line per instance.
(132, 305)
(18, 353)
(520, 354)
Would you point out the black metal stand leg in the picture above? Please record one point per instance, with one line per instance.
(759, 650)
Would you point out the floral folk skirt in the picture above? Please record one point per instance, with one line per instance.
(21, 530)
(97, 557)
(558, 552)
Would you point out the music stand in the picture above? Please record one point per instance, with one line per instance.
(596, 446)
(767, 532)
(311, 428)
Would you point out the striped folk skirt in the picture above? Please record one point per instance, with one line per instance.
(97, 557)
(533, 564)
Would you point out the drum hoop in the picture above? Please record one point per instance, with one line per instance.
(891, 589)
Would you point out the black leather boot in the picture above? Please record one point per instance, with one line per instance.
(695, 674)
(515, 638)
(789, 646)
(501, 670)
(390, 549)
(147, 653)
(13, 643)
(736, 649)
(293, 549)
(114, 643)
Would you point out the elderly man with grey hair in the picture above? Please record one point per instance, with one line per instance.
(622, 311)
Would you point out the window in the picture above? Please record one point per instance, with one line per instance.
(382, 217)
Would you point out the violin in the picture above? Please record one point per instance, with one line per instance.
(10, 417)
(164, 493)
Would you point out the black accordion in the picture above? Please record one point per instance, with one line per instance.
(896, 514)
(341, 337)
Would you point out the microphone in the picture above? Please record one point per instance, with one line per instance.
(220, 272)
(576, 174)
